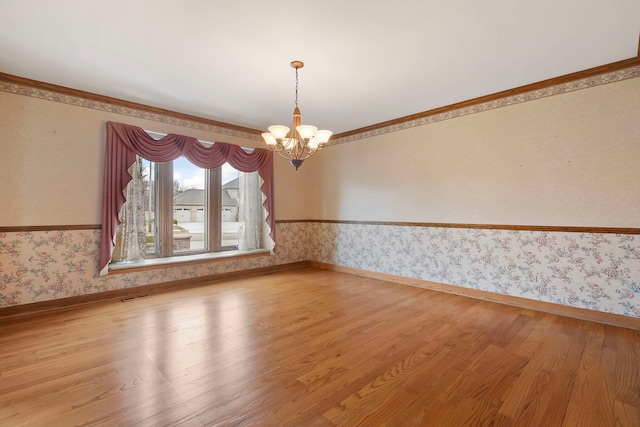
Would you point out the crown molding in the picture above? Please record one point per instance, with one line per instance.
(36, 89)
(604, 74)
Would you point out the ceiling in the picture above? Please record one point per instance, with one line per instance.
(366, 61)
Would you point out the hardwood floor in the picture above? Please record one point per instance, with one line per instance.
(311, 347)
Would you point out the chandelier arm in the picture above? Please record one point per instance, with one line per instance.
(283, 154)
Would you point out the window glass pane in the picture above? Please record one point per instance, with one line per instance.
(189, 207)
(149, 192)
(230, 204)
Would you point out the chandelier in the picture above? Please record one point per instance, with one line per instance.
(301, 141)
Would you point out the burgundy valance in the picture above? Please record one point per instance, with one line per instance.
(124, 142)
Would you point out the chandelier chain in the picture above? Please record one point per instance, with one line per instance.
(296, 87)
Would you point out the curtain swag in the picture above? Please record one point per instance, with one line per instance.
(125, 142)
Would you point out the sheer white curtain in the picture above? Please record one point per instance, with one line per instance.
(250, 212)
(130, 242)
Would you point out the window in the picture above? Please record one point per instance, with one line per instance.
(172, 207)
(208, 212)
(188, 210)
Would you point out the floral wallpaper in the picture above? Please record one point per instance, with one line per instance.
(595, 271)
(46, 265)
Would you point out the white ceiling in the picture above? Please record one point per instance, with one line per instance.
(366, 61)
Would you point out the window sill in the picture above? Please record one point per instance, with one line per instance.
(157, 263)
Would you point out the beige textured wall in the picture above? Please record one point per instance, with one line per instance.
(293, 198)
(51, 162)
(570, 159)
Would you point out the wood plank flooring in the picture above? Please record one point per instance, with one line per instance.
(311, 347)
